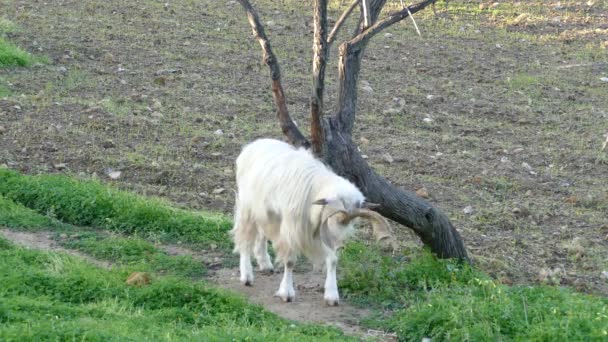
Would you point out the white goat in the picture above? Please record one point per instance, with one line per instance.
(289, 197)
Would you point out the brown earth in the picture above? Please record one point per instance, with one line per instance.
(499, 117)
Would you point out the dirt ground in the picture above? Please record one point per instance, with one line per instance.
(499, 111)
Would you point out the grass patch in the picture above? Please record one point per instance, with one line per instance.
(135, 253)
(11, 55)
(51, 296)
(445, 300)
(17, 216)
(90, 203)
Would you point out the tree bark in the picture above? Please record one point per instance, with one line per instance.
(319, 59)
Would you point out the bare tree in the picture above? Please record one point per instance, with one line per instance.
(331, 137)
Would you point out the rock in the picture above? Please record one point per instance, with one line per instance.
(270, 23)
(428, 120)
(364, 140)
(138, 279)
(114, 174)
(604, 275)
(108, 144)
(521, 212)
(219, 132)
(2, 129)
(522, 18)
(388, 158)
(526, 166)
(62, 69)
(468, 210)
(422, 192)
(60, 166)
(388, 35)
(156, 104)
(218, 191)
(365, 86)
(604, 79)
(157, 115)
(108, 58)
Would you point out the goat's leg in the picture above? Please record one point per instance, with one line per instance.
(246, 269)
(244, 233)
(331, 296)
(261, 254)
(286, 290)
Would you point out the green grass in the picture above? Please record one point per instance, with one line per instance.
(90, 203)
(11, 55)
(135, 253)
(52, 296)
(14, 215)
(445, 300)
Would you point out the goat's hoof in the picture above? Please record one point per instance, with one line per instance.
(332, 302)
(286, 298)
(248, 283)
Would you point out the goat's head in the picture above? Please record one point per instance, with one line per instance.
(336, 220)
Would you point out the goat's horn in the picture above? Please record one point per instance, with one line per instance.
(379, 224)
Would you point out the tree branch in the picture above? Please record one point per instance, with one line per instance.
(319, 60)
(287, 125)
(340, 22)
(380, 25)
(351, 54)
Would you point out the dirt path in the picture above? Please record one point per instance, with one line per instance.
(42, 240)
(308, 306)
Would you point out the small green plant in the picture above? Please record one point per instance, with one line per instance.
(11, 55)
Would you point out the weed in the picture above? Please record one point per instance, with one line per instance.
(11, 55)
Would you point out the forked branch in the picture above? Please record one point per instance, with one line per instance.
(288, 127)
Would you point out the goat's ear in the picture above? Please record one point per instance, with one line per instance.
(321, 201)
(369, 205)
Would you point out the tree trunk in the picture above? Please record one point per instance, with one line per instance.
(430, 224)
(332, 137)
